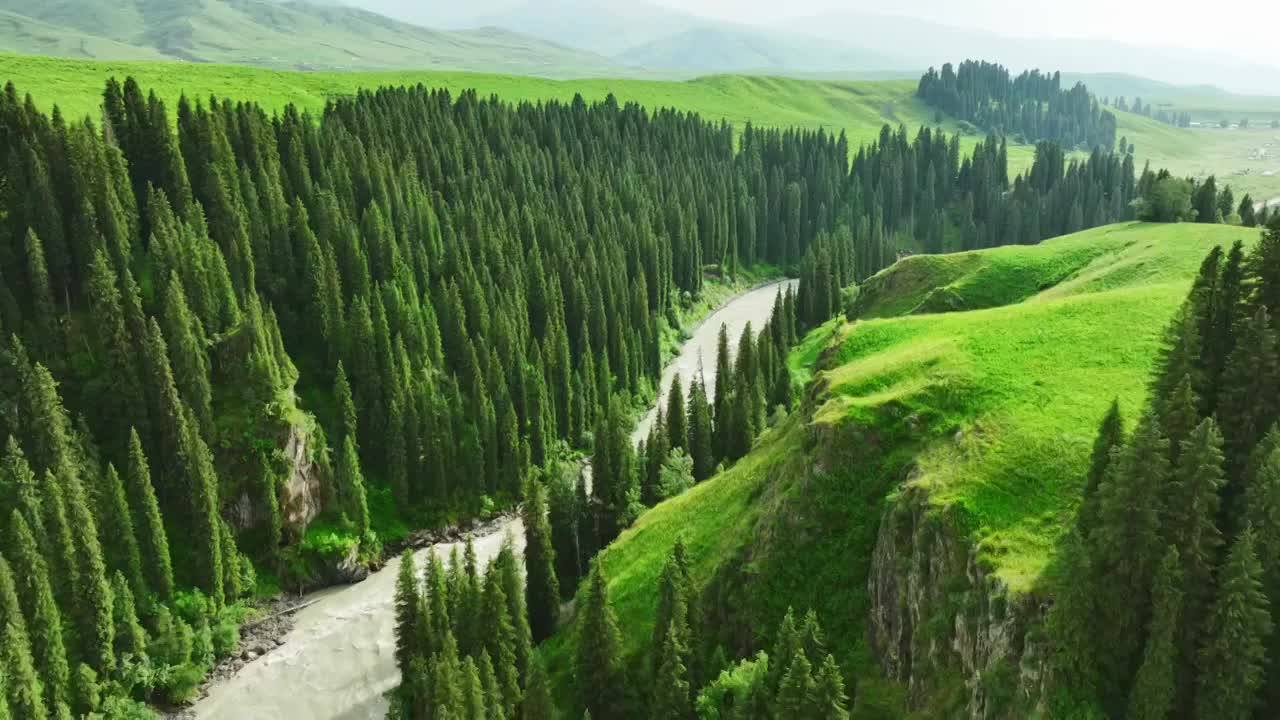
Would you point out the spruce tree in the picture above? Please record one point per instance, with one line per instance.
(501, 640)
(563, 514)
(1262, 500)
(508, 568)
(537, 703)
(542, 594)
(1247, 400)
(118, 538)
(1192, 528)
(1127, 548)
(1110, 436)
(1232, 660)
(1072, 619)
(347, 419)
(786, 647)
(93, 612)
(701, 439)
(410, 616)
(723, 396)
(677, 418)
(25, 696)
(830, 700)
(352, 489)
(152, 539)
(797, 696)
(44, 621)
(656, 449)
(130, 638)
(598, 670)
(1154, 689)
(671, 681)
(187, 354)
(472, 692)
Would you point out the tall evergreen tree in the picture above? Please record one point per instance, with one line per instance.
(1127, 547)
(23, 691)
(542, 594)
(118, 538)
(352, 488)
(1154, 690)
(44, 621)
(723, 396)
(830, 700)
(1233, 657)
(153, 542)
(701, 440)
(1110, 436)
(411, 616)
(677, 417)
(598, 670)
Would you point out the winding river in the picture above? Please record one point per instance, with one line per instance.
(339, 659)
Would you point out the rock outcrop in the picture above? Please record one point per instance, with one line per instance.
(944, 626)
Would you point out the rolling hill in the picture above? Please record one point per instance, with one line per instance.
(721, 49)
(916, 497)
(288, 34)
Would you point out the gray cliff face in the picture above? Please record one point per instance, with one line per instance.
(946, 628)
(301, 495)
(301, 490)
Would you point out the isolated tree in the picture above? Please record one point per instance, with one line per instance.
(542, 587)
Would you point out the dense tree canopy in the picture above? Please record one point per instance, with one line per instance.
(1032, 105)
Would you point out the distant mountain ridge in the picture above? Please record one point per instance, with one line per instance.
(289, 34)
(721, 49)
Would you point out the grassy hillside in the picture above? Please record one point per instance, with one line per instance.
(992, 410)
(1204, 102)
(1242, 158)
(858, 107)
(277, 34)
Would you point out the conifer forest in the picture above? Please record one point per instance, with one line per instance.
(251, 350)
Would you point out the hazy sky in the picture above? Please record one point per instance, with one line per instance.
(1244, 28)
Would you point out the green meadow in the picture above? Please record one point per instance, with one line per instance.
(989, 400)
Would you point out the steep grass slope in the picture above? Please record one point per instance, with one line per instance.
(986, 413)
(277, 34)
